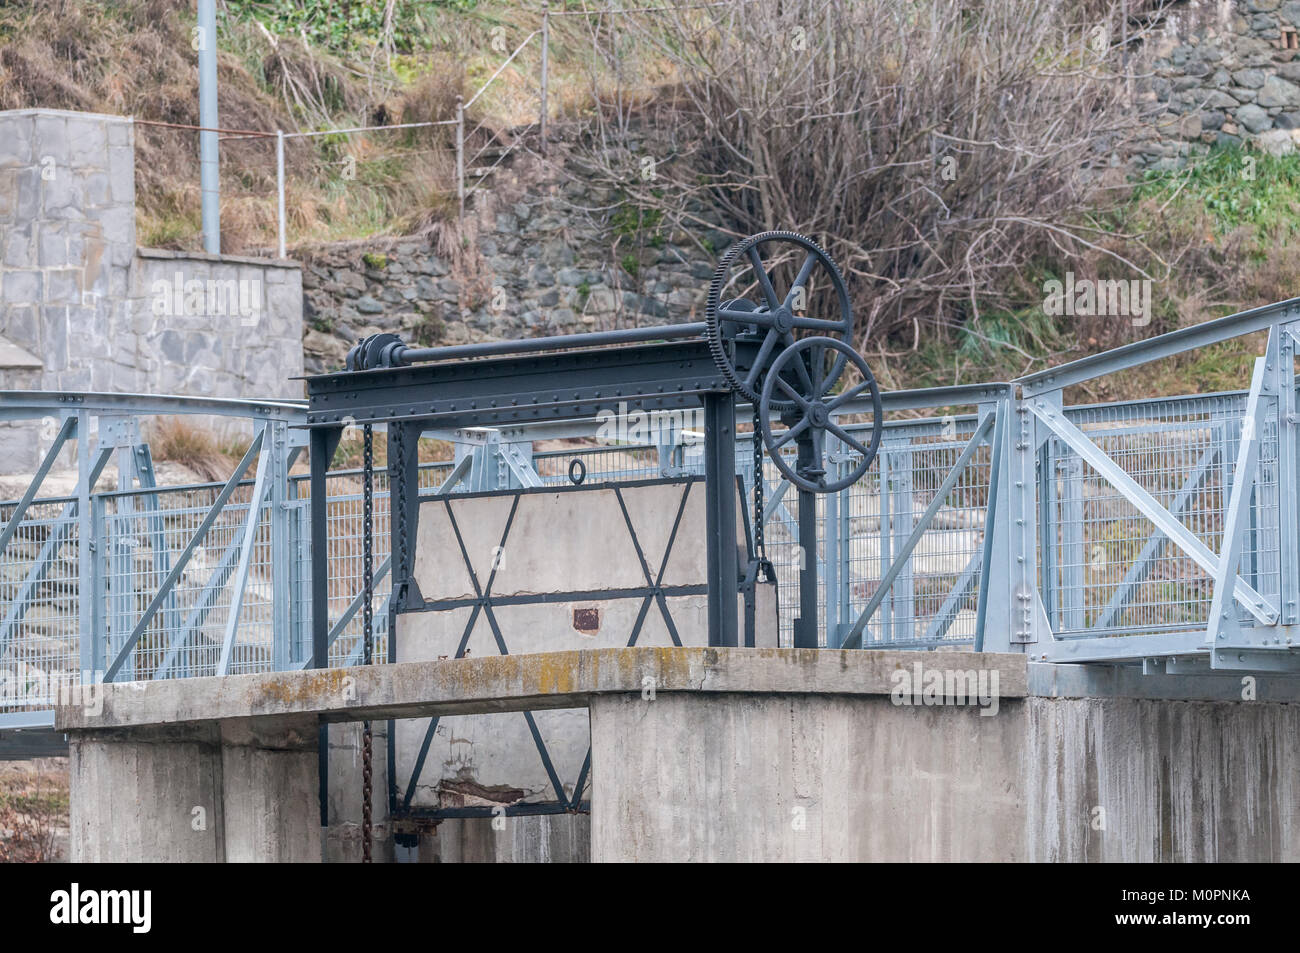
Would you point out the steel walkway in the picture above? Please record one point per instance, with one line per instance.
(1163, 533)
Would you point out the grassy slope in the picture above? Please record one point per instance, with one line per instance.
(1216, 238)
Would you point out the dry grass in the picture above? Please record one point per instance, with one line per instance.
(33, 810)
(134, 58)
(183, 441)
(351, 451)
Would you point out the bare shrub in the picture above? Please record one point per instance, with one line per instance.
(33, 809)
(938, 149)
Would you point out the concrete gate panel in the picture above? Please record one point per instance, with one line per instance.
(555, 570)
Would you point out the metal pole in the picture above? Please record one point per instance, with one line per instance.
(209, 181)
(459, 352)
(546, 51)
(720, 532)
(805, 625)
(460, 156)
(279, 185)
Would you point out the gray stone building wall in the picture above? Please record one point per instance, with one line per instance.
(82, 309)
(1221, 72)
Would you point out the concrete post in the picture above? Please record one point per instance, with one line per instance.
(238, 790)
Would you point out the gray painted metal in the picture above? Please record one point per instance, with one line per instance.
(1171, 485)
(209, 149)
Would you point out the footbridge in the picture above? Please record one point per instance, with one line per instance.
(640, 491)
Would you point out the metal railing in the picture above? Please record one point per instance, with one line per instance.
(1163, 532)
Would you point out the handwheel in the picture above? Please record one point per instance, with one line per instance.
(775, 319)
(801, 376)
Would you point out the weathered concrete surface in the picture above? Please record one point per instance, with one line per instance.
(812, 777)
(515, 682)
(343, 793)
(718, 754)
(243, 790)
(269, 790)
(147, 795)
(548, 839)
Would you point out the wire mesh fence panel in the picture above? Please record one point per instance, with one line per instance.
(39, 605)
(344, 561)
(932, 598)
(1106, 567)
(221, 604)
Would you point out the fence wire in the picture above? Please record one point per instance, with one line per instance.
(1104, 568)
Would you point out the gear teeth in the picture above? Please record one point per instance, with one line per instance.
(717, 347)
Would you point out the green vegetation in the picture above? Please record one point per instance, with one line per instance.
(345, 27)
(1235, 187)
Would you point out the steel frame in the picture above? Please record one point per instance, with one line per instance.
(653, 592)
(1029, 600)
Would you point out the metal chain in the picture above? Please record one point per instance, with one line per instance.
(367, 624)
(398, 466)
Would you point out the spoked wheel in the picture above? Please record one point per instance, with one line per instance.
(779, 287)
(798, 385)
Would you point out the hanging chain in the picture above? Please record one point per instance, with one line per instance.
(760, 547)
(367, 623)
(398, 466)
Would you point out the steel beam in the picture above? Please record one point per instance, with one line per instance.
(1132, 355)
(515, 390)
(720, 493)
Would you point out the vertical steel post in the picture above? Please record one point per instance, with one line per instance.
(1288, 472)
(323, 443)
(996, 464)
(805, 624)
(281, 568)
(546, 50)
(460, 157)
(209, 149)
(321, 448)
(720, 495)
(831, 619)
(85, 548)
(1022, 518)
(279, 187)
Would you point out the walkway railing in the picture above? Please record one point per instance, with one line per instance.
(1163, 532)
